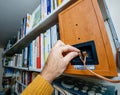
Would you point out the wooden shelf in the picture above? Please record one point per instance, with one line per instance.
(35, 31)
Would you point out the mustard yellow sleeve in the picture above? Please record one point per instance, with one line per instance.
(39, 86)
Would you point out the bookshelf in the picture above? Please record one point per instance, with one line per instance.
(44, 24)
(34, 32)
(20, 71)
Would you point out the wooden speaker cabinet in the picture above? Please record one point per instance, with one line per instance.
(80, 23)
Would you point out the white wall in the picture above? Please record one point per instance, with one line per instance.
(114, 9)
(1, 68)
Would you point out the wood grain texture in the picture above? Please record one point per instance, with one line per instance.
(83, 22)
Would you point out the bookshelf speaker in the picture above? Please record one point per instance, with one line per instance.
(82, 22)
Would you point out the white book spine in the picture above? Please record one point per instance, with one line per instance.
(54, 34)
(42, 9)
(55, 2)
(52, 6)
(35, 66)
(45, 8)
(25, 56)
(49, 40)
(42, 51)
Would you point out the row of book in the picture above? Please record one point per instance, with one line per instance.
(17, 79)
(23, 80)
(8, 79)
(8, 72)
(26, 77)
(42, 11)
(29, 21)
(34, 56)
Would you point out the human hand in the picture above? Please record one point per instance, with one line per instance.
(58, 59)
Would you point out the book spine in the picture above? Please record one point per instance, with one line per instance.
(24, 25)
(42, 9)
(25, 64)
(38, 52)
(30, 56)
(33, 54)
(48, 7)
(55, 4)
(54, 33)
(36, 16)
(45, 8)
(28, 23)
(52, 5)
(59, 2)
(42, 51)
(49, 40)
(47, 43)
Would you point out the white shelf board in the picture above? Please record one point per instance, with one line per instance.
(21, 83)
(20, 68)
(35, 70)
(24, 68)
(17, 92)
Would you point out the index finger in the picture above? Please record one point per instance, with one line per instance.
(59, 43)
(68, 48)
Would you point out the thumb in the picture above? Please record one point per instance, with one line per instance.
(70, 56)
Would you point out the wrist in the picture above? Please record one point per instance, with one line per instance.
(47, 76)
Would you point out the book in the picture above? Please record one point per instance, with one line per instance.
(48, 7)
(24, 25)
(47, 43)
(43, 8)
(36, 16)
(38, 52)
(52, 5)
(20, 60)
(33, 54)
(55, 4)
(42, 51)
(30, 55)
(54, 34)
(59, 2)
(28, 23)
(25, 57)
